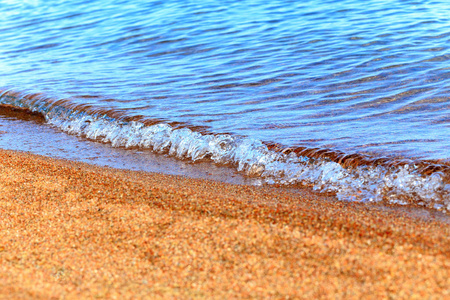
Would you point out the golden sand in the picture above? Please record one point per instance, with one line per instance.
(72, 230)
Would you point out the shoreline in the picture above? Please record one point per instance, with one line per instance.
(70, 229)
(43, 139)
(362, 185)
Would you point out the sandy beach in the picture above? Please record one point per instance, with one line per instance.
(70, 230)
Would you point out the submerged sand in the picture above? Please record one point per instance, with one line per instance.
(72, 230)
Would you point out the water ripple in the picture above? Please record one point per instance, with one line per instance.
(366, 79)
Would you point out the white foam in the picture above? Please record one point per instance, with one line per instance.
(400, 185)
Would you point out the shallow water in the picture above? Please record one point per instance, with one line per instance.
(25, 135)
(238, 82)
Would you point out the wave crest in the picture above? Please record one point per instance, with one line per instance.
(403, 184)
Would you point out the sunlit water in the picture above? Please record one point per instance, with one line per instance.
(221, 81)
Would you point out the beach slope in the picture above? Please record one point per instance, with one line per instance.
(72, 230)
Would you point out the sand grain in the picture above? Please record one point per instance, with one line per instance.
(71, 230)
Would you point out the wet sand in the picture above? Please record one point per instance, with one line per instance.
(72, 230)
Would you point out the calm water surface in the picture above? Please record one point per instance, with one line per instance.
(344, 76)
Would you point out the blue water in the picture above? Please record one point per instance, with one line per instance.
(221, 80)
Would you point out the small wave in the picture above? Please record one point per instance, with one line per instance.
(401, 184)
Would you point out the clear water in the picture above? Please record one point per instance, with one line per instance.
(23, 135)
(225, 81)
